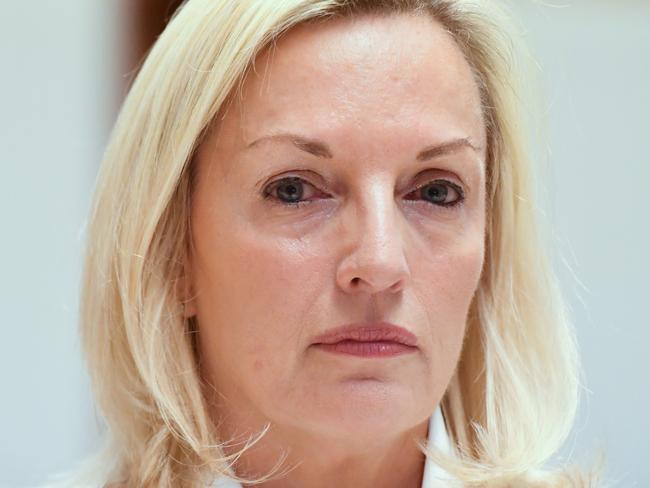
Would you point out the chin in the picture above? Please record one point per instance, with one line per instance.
(365, 407)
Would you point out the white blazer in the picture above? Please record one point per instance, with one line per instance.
(433, 477)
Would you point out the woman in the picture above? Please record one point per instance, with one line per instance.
(313, 259)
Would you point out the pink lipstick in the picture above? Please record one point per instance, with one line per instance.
(379, 339)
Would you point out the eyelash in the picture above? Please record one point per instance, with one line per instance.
(293, 179)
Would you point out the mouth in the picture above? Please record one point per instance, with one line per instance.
(379, 339)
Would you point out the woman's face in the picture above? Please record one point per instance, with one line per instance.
(373, 125)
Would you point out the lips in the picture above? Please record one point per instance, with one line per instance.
(368, 332)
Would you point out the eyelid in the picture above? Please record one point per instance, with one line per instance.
(430, 174)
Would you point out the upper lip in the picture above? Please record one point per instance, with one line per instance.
(368, 332)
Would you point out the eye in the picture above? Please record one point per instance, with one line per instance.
(441, 193)
(288, 191)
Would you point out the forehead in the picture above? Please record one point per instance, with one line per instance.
(393, 74)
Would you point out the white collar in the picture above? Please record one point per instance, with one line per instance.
(433, 474)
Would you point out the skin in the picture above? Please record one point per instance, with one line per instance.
(265, 279)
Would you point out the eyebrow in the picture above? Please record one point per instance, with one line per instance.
(322, 150)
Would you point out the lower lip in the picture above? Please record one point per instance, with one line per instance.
(367, 349)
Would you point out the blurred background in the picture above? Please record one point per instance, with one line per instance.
(66, 67)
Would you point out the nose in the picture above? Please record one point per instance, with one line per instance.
(375, 259)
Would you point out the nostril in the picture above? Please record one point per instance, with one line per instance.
(397, 286)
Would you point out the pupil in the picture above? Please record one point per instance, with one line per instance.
(291, 191)
(438, 193)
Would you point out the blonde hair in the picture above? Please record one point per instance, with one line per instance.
(512, 400)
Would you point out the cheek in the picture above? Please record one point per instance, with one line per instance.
(445, 285)
(253, 295)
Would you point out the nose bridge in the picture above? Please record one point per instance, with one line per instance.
(376, 259)
(376, 217)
